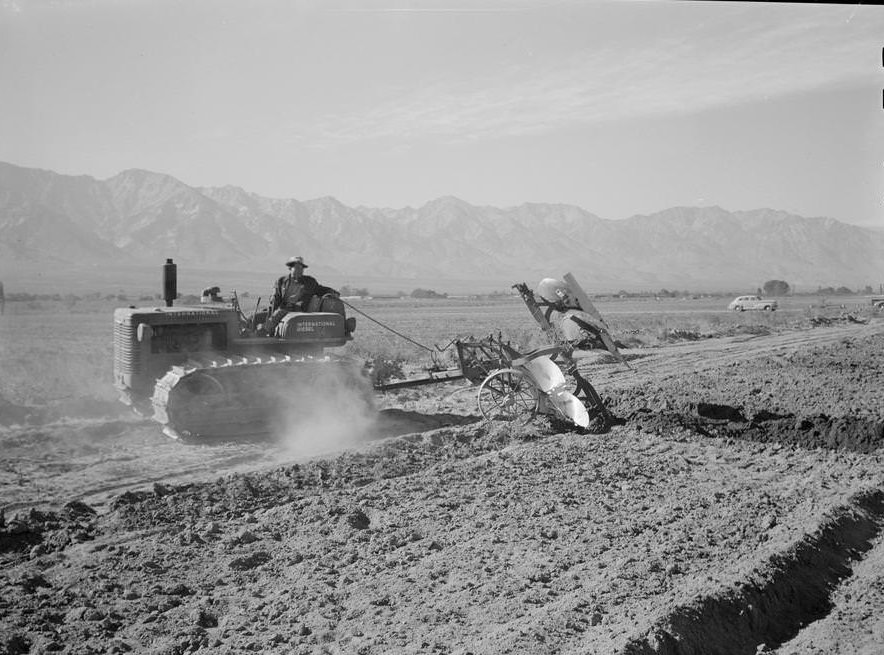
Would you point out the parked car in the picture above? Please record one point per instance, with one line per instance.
(742, 303)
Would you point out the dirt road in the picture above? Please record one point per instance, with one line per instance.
(685, 358)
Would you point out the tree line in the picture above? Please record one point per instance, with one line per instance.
(772, 288)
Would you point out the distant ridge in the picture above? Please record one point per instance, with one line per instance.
(140, 217)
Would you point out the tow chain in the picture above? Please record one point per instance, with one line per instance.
(433, 351)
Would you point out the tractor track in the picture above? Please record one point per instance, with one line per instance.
(93, 460)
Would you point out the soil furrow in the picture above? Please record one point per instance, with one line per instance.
(790, 591)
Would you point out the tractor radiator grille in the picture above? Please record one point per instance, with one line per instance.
(127, 356)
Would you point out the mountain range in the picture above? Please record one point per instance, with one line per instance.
(140, 218)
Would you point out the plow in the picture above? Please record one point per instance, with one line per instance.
(518, 386)
(208, 370)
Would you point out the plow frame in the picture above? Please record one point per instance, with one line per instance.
(507, 372)
(508, 381)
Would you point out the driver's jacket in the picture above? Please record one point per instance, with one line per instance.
(295, 293)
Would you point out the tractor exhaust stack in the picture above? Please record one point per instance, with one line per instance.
(170, 282)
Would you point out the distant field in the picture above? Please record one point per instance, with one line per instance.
(137, 280)
(635, 322)
(50, 351)
(86, 277)
(53, 350)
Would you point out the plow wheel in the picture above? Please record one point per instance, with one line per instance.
(508, 395)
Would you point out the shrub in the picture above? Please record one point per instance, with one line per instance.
(427, 293)
(383, 369)
(776, 288)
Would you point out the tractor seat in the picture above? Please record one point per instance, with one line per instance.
(326, 303)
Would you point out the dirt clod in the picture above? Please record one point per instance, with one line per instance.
(359, 520)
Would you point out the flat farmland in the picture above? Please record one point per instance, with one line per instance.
(736, 507)
(56, 350)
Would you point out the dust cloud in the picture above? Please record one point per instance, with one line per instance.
(328, 409)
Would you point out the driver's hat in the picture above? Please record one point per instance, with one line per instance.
(291, 261)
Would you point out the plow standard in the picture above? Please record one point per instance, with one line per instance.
(208, 371)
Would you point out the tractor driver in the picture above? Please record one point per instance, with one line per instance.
(292, 293)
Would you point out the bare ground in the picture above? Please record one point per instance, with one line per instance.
(737, 508)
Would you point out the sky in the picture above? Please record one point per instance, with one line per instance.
(621, 108)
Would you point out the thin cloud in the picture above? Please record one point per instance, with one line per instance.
(40, 6)
(18, 6)
(691, 73)
(435, 6)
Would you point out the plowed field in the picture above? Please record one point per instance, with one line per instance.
(737, 507)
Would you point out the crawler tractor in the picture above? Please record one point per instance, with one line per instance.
(203, 370)
(206, 370)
